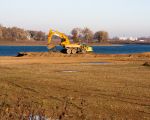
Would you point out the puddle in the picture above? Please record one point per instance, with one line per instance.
(69, 71)
(39, 117)
(95, 63)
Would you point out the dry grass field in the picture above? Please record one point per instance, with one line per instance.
(77, 87)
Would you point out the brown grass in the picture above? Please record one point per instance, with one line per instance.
(38, 85)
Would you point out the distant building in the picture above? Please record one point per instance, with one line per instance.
(123, 38)
(133, 38)
(141, 40)
(128, 38)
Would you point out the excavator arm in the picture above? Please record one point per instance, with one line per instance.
(64, 39)
(65, 42)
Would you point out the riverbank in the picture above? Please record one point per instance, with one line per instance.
(44, 43)
(23, 43)
(73, 87)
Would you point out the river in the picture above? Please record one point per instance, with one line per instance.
(119, 49)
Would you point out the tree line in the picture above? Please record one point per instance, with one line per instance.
(17, 34)
(77, 34)
(87, 35)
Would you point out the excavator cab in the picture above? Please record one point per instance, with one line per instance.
(62, 40)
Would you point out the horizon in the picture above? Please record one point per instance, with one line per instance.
(122, 18)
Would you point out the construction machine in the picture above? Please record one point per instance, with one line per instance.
(69, 48)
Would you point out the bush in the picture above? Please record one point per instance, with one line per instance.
(101, 36)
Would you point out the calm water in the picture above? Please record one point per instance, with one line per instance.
(124, 49)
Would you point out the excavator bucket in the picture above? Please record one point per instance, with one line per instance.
(89, 49)
(51, 48)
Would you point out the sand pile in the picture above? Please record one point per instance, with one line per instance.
(52, 54)
(59, 54)
(146, 63)
(146, 54)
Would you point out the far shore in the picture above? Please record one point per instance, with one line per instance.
(23, 43)
(44, 43)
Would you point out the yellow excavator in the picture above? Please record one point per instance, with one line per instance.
(69, 48)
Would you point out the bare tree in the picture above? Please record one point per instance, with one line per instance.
(18, 34)
(37, 35)
(76, 33)
(88, 34)
(7, 33)
(1, 33)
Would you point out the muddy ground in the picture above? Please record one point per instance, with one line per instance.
(75, 87)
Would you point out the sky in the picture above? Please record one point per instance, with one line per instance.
(118, 17)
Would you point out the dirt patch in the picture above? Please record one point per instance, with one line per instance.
(34, 85)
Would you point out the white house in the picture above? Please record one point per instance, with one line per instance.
(123, 38)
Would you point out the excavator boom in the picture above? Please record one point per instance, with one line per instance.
(64, 38)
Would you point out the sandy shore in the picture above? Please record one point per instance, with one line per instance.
(75, 87)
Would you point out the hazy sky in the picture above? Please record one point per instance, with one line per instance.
(118, 17)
